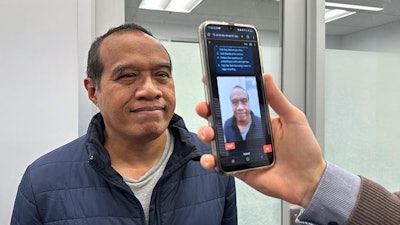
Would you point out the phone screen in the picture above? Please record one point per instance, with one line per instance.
(239, 113)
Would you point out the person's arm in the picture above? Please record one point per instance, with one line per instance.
(334, 199)
(375, 205)
(344, 198)
(25, 211)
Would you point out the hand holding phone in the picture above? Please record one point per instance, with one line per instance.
(297, 173)
(235, 93)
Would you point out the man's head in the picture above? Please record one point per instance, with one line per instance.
(95, 66)
(240, 105)
(130, 81)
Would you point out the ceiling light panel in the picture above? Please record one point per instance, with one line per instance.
(351, 6)
(335, 14)
(183, 6)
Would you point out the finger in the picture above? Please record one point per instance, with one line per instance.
(202, 109)
(206, 134)
(207, 161)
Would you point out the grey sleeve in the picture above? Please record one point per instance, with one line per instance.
(334, 199)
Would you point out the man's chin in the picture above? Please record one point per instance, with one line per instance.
(150, 132)
(242, 119)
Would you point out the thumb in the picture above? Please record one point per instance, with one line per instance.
(275, 98)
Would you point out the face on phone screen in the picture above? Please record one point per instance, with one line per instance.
(239, 113)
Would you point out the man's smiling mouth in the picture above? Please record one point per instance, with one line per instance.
(148, 109)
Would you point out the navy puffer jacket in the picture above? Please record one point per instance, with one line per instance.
(75, 184)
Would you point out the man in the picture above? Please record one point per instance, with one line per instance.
(330, 195)
(243, 125)
(137, 164)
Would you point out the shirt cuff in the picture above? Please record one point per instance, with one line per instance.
(334, 199)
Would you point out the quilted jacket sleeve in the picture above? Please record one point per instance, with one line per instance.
(375, 205)
(25, 211)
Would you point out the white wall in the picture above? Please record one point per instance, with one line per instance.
(38, 88)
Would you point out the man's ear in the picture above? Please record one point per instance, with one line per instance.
(90, 86)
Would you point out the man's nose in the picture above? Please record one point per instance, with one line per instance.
(148, 88)
(240, 105)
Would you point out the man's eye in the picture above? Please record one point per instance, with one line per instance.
(163, 75)
(127, 75)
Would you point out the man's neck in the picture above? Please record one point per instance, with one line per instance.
(243, 124)
(135, 159)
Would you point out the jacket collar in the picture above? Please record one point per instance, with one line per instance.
(234, 123)
(185, 146)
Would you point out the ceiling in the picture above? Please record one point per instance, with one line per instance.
(264, 14)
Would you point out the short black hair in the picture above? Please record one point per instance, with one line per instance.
(240, 87)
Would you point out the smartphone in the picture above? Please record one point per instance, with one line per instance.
(234, 90)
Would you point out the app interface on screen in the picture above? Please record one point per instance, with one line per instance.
(241, 116)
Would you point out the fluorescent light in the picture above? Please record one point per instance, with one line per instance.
(350, 6)
(183, 6)
(154, 4)
(334, 14)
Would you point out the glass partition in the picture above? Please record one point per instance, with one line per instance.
(362, 108)
(362, 96)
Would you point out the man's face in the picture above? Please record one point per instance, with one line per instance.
(136, 95)
(240, 106)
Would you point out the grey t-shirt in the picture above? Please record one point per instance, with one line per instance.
(143, 187)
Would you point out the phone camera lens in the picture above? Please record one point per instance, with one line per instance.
(230, 28)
